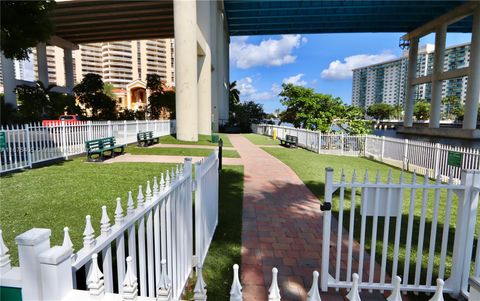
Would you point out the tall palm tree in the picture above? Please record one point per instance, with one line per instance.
(234, 98)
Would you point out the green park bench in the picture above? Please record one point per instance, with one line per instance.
(103, 147)
(147, 138)
(289, 141)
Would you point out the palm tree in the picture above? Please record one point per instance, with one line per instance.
(234, 98)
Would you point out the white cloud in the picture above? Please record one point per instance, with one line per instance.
(249, 92)
(295, 79)
(268, 53)
(343, 70)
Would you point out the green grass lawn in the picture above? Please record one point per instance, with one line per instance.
(202, 140)
(173, 151)
(310, 167)
(63, 194)
(261, 140)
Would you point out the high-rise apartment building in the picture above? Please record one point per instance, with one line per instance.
(386, 82)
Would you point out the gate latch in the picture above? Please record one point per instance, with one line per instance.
(326, 206)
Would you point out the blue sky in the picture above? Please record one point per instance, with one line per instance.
(260, 64)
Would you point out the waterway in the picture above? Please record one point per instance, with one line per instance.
(450, 141)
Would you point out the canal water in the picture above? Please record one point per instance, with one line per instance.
(450, 141)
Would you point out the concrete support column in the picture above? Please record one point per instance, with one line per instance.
(438, 62)
(68, 63)
(205, 94)
(185, 27)
(9, 82)
(473, 86)
(220, 67)
(214, 54)
(410, 94)
(42, 63)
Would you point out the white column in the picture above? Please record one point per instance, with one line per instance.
(227, 75)
(8, 72)
(438, 62)
(214, 60)
(185, 26)
(410, 95)
(30, 245)
(56, 271)
(205, 94)
(42, 63)
(68, 63)
(220, 66)
(473, 85)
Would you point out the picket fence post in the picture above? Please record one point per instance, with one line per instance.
(465, 229)
(125, 132)
(30, 244)
(405, 155)
(29, 150)
(236, 289)
(64, 140)
(319, 142)
(90, 130)
(436, 171)
(56, 272)
(327, 202)
(342, 139)
(200, 290)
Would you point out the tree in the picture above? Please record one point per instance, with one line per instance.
(24, 25)
(108, 90)
(161, 100)
(34, 101)
(90, 93)
(421, 110)
(380, 111)
(398, 111)
(452, 105)
(234, 95)
(316, 111)
(246, 114)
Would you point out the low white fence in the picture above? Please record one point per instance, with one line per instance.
(28, 144)
(425, 243)
(155, 238)
(422, 157)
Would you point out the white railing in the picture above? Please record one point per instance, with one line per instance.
(421, 157)
(425, 243)
(155, 238)
(29, 144)
(206, 204)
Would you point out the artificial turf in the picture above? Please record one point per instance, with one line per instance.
(261, 140)
(176, 151)
(310, 167)
(202, 140)
(61, 195)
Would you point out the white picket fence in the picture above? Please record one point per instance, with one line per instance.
(313, 294)
(383, 204)
(155, 238)
(28, 144)
(421, 157)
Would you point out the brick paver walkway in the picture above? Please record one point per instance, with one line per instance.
(281, 227)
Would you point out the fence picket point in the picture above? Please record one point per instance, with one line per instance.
(105, 222)
(130, 283)
(314, 293)
(95, 282)
(200, 289)
(118, 212)
(438, 296)
(236, 289)
(140, 199)
(353, 295)
(396, 294)
(130, 204)
(88, 233)
(274, 291)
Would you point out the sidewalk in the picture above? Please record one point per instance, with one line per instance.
(282, 227)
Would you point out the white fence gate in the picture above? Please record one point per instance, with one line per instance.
(155, 237)
(378, 212)
(421, 157)
(28, 144)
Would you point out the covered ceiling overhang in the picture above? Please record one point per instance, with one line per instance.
(90, 21)
(255, 17)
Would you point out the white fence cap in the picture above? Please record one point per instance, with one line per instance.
(55, 255)
(33, 237)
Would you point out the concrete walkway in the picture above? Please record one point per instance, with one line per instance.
(164, 159)
(281, 227)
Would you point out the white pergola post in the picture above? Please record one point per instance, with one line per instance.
(221, 67)
(68, 63)
(438, 62)
(185, 27)
(8, 72)
(214, 60)
(410, 94)
(473, 85)
(42, 64)
(204, 68)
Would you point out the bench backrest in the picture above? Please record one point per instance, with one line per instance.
(93, 144)
(108, 142)
(144, 135)
(290, 138)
